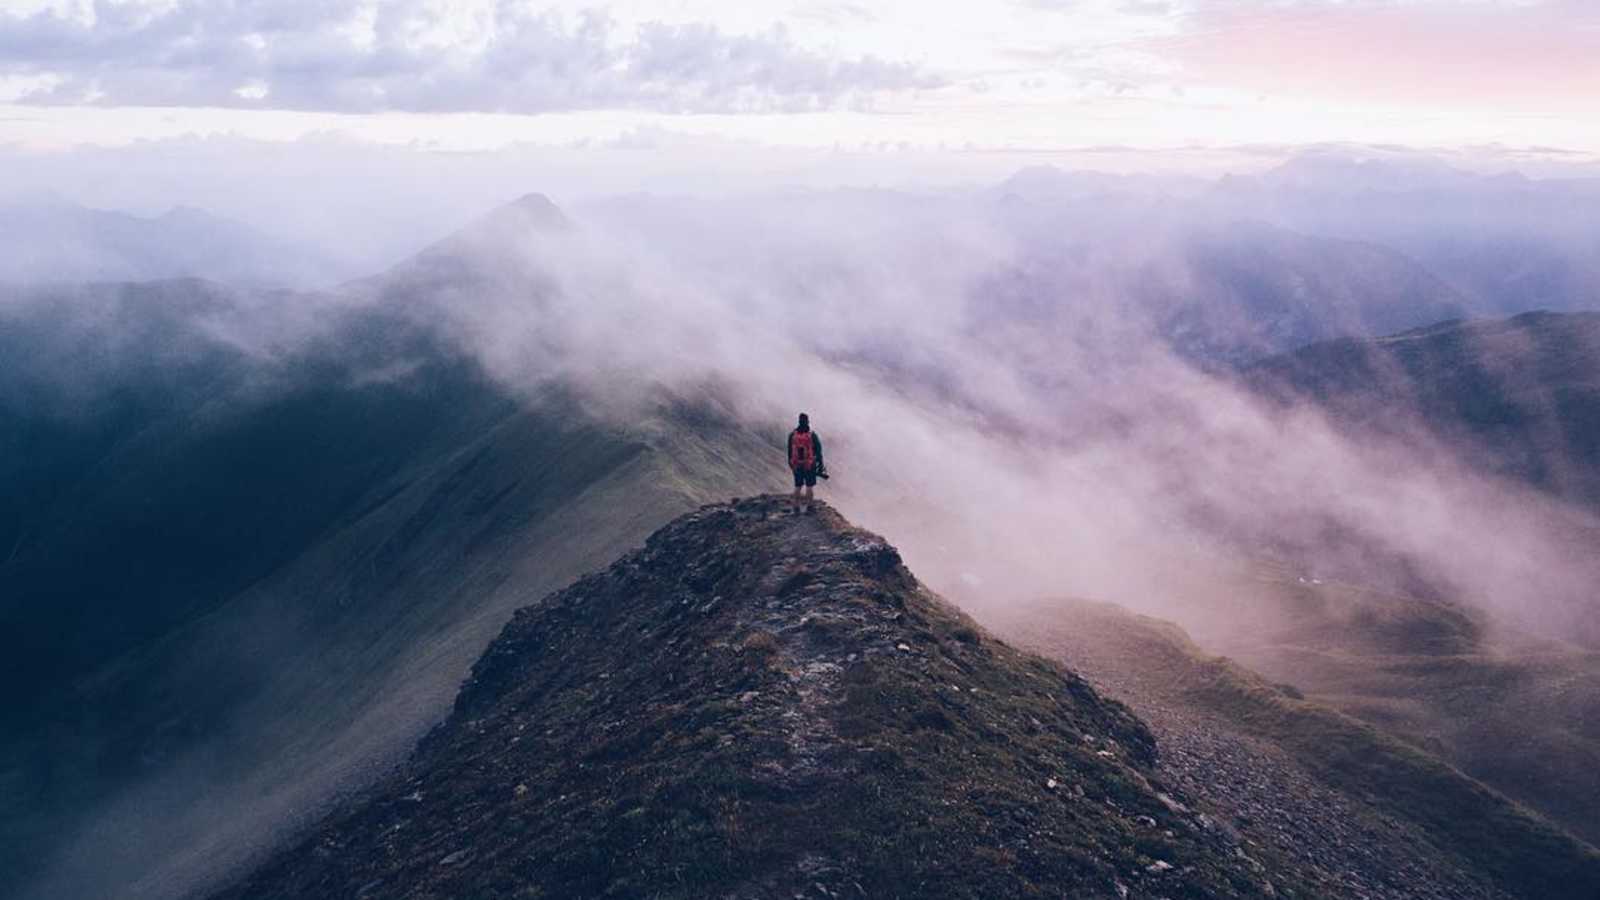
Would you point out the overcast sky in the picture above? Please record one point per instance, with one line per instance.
(1020, 75)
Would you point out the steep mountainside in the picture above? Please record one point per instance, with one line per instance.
(1350, 808)
(762, 705)
(1519, 714)
(153, 468)
(238, 577)
(1519, 396)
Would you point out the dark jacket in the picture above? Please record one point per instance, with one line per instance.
(816, 443)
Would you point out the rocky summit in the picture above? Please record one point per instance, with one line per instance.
(758, 704)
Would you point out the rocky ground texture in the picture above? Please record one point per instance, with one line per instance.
(759, 705)
(1341, 846)
(1276, 771)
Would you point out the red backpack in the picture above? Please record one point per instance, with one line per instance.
(802, 450)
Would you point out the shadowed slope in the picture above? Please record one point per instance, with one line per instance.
(49, 239)
(243, 722)
(239, 579)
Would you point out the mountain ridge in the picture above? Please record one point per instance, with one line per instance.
(761, 705)
(234, 671)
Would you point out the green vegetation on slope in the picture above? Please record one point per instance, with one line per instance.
(1520, 714)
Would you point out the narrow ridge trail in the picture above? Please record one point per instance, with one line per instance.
(758, 705)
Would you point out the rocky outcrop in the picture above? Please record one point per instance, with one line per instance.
(764, 705)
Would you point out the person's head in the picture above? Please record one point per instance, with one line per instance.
(805, 422)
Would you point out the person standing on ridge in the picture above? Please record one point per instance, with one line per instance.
(805, 460)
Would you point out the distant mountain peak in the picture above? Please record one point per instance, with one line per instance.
(493, 246)
(533, 201)
(1348, 170)
(530, 214)
(754, 704)
(198, 215)
(1052, 183)
(532, 211)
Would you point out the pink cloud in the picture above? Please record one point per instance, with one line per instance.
(1543, 59)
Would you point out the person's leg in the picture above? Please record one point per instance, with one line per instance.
(794, 500)
(809, 484)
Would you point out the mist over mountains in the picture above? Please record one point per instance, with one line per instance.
(227, 669)
(51, 239)
(255, 539)
(1509, 243)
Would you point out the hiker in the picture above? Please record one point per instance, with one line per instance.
(805, 460)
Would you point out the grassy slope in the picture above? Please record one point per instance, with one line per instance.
(1481, 828)
(1519, 714)
(151, 470)
(178, 756)
(1518, 397)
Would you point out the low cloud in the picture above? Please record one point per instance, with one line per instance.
(1047, 448)
(409, 56)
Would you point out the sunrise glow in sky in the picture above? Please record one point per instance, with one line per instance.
(1009, 74)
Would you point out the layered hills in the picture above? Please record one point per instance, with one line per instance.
(1508, 243)
(757, 704)
(252, 541)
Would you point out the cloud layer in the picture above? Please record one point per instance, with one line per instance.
(1014, 450)
(355, 56)
(1039, 74)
